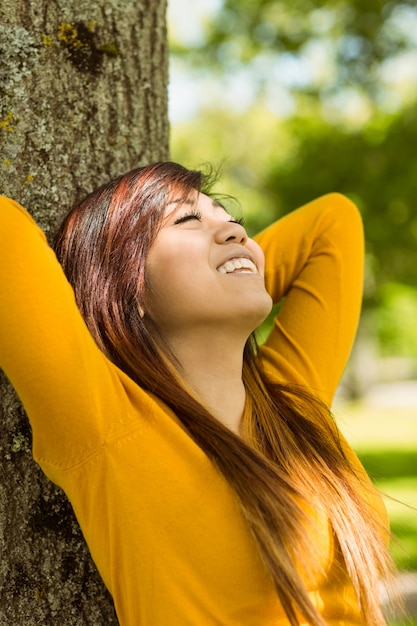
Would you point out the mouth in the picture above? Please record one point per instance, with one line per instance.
(238, 265)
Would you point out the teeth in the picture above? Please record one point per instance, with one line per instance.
(236, 265)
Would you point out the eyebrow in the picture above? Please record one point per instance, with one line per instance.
(215, 203)
(177, 203)
(218, 205)
(180, 201)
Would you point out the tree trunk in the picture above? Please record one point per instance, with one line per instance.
(83, 90)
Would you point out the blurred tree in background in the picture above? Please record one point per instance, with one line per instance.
(301, 98)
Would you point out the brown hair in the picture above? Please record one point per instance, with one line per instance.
(290, 460)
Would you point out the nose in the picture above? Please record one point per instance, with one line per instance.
(231, 232)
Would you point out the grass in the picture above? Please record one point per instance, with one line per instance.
(385, 439)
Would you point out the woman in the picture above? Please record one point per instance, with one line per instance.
(210, 482)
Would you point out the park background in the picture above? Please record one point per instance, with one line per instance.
(295, 100)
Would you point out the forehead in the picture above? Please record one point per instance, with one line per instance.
(196, 200)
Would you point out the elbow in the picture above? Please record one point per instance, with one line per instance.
(344, 213)
(342, 205)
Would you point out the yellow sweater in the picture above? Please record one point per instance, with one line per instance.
(163, 526)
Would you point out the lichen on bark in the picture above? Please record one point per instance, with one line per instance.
(79, 104)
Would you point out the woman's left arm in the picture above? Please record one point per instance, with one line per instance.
(314, 260)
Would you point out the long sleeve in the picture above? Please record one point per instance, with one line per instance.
(161, 522)
(46, 350)
(314, 261)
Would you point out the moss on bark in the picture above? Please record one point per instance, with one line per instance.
(83, 97)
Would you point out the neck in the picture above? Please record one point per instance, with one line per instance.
(211, 366)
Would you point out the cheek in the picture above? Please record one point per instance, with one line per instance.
(258, 254)
(153, 281)
(167, 277)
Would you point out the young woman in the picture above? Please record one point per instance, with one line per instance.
(210, 482)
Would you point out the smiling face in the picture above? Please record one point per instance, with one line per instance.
(204, 271)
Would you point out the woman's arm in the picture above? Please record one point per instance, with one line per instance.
(314, 259)
(46, 350)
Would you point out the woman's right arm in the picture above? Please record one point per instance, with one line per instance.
(65, 383)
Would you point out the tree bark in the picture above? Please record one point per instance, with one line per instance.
(83, 97)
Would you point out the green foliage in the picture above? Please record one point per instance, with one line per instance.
(377, 168)
(362, 34)
(396, 320)
(323, 110)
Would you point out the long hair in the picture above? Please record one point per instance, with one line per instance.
(290, 466)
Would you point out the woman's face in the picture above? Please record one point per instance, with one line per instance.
(203, 270)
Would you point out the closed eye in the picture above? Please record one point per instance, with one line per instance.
(192, 215)
(240, 221)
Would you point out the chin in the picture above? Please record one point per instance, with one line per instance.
(259, 313)
(266, 307)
